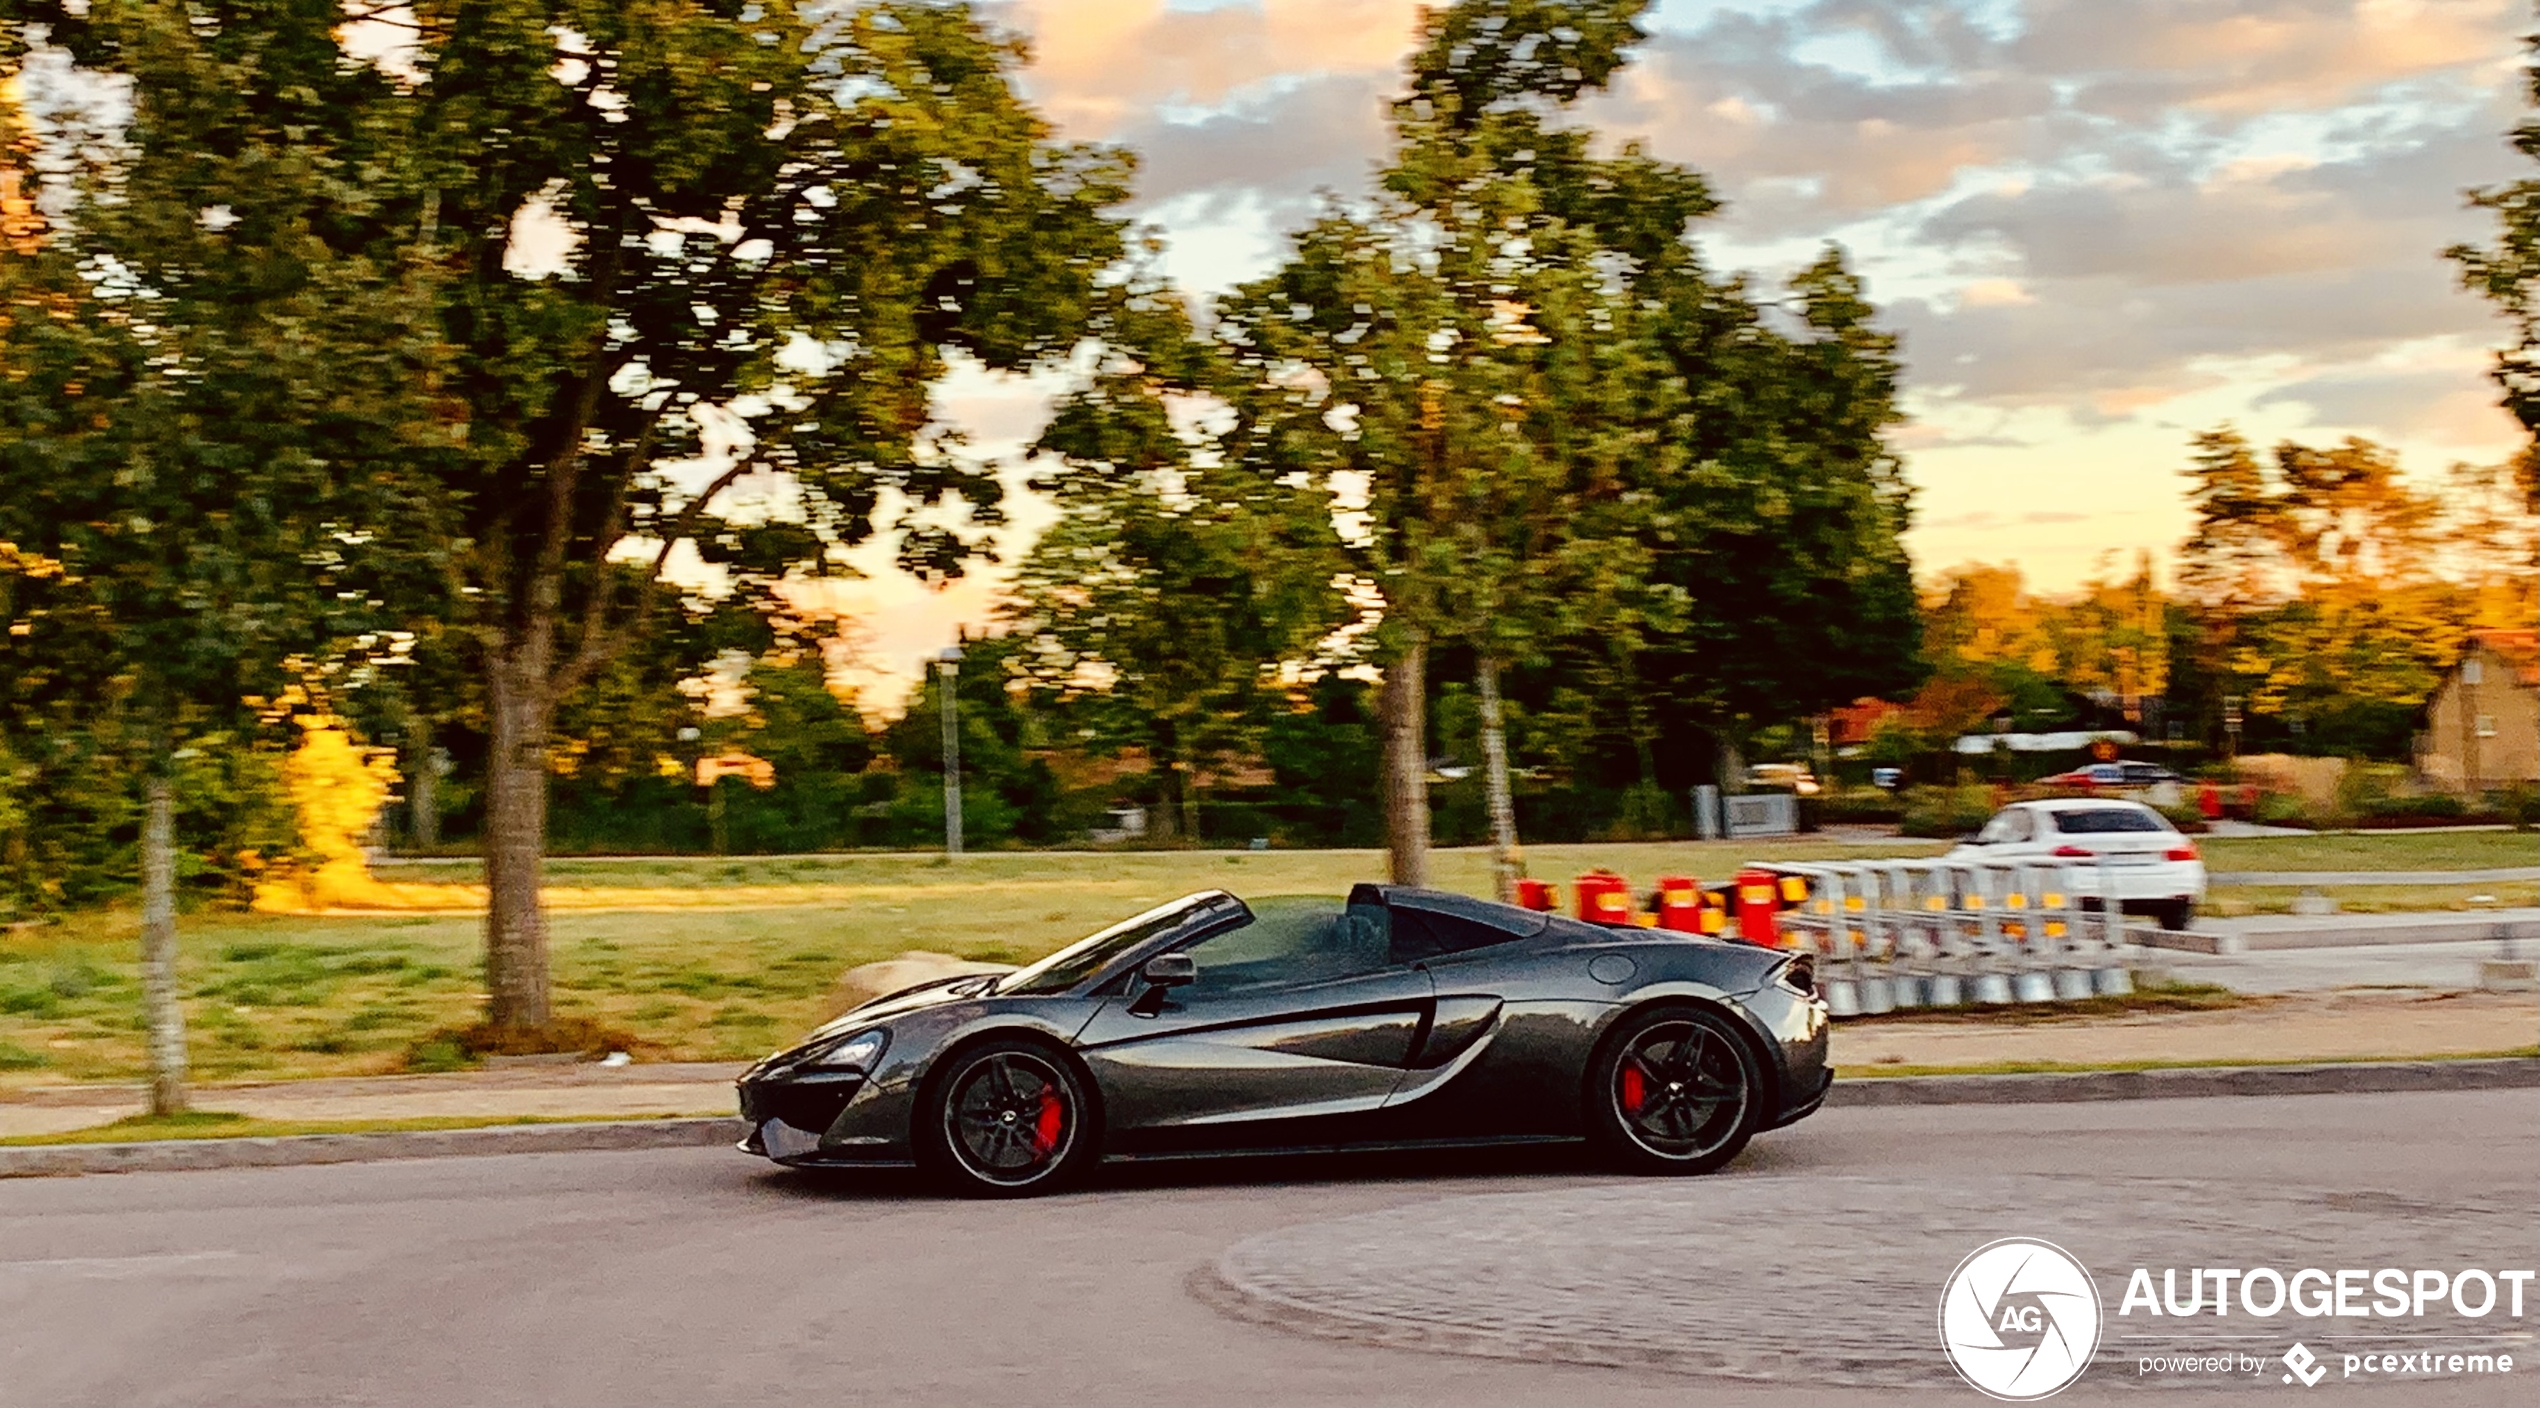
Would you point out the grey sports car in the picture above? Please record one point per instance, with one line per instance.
(1397, 1018)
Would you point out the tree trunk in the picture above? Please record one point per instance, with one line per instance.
(948, 711)
(158, 950)
(1166, 821)
(423, 783)
(1507, 867)
(1406, 783)
(516, 838)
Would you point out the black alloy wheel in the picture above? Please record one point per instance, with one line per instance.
(1676, 1091)
(1006, 1119)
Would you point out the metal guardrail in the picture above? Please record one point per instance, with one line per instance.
(1898, 935)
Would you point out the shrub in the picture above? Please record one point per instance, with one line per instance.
(2441, 805)
(1946, 811)
(2519, 804)
(2284, 809)
(2185, 817)
(1858, 805)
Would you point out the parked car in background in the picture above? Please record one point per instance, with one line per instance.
(2144, 782)
(1785, 777)
(2151, 868)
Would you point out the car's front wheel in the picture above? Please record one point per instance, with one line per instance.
(1005, 1119)
(1675, 1091)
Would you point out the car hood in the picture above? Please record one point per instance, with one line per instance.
(934, 992)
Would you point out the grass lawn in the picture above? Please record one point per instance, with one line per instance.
(2232, 901)
(743, 962)
(1160, 873)
(2378, 850)
(726, 959)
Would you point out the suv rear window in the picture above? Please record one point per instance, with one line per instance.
(2104, 819)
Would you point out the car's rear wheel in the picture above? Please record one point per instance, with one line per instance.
(1005, 1119)
(2177, 914)
(1676, 1091)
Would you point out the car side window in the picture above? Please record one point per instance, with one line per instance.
(1420, 934)
(2007, 827)
(1285, 945)
(2098, 820)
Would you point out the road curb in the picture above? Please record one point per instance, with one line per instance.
(288, 1151)
(293, 1150)
(2191, 1083)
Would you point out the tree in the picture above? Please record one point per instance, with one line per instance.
(171, 421)
(638, 255)
(1009, 791)
(2319, 572)
(1776, 520)
(2508, 275)
(1446, 345)
(1177, 582)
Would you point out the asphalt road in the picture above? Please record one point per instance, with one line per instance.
(623, 1280)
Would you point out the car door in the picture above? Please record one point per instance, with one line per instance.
(1499, 1058)
(1303, 1013)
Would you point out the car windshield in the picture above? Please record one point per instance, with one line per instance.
(1087, 956)
(2104, 819)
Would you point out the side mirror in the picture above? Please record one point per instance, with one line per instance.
(1170, 970)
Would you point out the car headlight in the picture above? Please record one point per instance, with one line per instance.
(854, 1053)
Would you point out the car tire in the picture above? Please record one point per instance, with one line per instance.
(1009, 1118)
(1655, 1106)
(2178, 914)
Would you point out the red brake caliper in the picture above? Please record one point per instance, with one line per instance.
(1049, 1123)
(1634, 1092)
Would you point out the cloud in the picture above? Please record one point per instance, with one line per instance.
(1102, 67)
(1278, 144)
(2097, 223)
(2440, 404)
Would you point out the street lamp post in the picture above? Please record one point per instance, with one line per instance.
(950, 664)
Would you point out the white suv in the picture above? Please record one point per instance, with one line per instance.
(2153, 869)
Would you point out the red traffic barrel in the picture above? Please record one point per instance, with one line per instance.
(1605, 898)
(1538, 894)
(1758, 900)
(1679, 904)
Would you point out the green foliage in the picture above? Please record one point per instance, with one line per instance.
(2507, 274)
(2332, 593)
(1947, 811)
(1009, 791)
(436, 335)
(1576, 444)
(1180, 576)
(1858, 805)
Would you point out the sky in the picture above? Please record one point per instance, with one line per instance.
(2099, 225)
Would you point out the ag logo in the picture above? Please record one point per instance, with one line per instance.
(2020, 1319)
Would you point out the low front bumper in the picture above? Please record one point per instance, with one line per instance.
(824, 1119)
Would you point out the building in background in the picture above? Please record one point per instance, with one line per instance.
(2482, 727)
